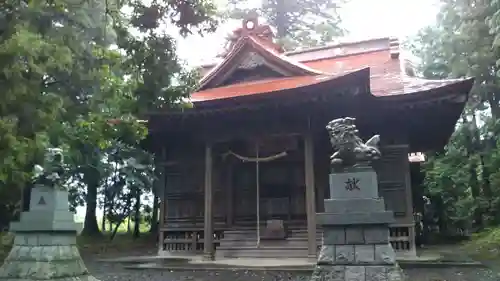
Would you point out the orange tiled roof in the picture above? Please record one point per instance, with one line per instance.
(310, 66)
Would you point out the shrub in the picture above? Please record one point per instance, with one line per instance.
(6, 241)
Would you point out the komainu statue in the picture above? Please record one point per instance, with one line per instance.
(51, 172)
(350, 150)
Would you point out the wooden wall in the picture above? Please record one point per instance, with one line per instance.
(235, 185)
(393, 172)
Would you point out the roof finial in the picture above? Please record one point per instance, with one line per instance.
(251, 28)
(251, 21)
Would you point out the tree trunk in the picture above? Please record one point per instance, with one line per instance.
(104, 210)
(129, 223)
(90, 226)
(154, 216)
(471, 148)
(129, 203)
(494, 103)
(115, 230)
(486, 186)
(26, 197)
(103, 220)
(281, 22)
(110, 225)
(137, 214)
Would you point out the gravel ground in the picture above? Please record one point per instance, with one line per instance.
(113, 271)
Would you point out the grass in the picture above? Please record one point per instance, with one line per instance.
(484, 246)
(122, 243)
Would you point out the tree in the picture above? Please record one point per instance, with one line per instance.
(27, 58)
(299, 23)
(65, 83)
(464, 43)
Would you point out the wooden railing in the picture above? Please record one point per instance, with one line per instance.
(187, 241)
(402, 237)
(190, 241)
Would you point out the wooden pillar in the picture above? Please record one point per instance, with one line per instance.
(310, 195)
(409, 202)
(161, 233)
(321, 173)
(162, 194)
(229, 194)
(208, 250)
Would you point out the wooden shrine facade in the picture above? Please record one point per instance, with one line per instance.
(245, 171)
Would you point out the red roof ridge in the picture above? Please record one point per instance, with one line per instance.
(339, 44)
(384, 43)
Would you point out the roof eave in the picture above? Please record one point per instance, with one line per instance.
(357, 76)
(455, 88)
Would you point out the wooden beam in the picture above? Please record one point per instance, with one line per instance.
(163, 202)
(208, 250)
(310, 195)
(161, 234)
(229, 193)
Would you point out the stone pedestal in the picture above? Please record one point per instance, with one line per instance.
(45, 241)
(356, 231)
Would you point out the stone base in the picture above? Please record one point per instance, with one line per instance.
(357, 273)
(355, 223)
(208, 257)
(44, 256)
(373, 254)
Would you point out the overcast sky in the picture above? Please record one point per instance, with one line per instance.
(362, 18)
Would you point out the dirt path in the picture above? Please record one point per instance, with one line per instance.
(113, 271)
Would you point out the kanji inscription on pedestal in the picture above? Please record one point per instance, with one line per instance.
(352, 184)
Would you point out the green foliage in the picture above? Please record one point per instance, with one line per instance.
(82, 75)
(462, 44)
(465, 177)
(6, 241)
(299, 23)
(447, 181)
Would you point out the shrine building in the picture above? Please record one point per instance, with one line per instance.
(244, 172)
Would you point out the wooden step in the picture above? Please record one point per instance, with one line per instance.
(266, 243)
(263, 252)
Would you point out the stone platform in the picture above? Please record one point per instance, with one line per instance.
(45, 241)
(195, 262)
(44, 257)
